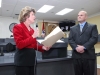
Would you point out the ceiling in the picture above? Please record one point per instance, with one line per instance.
(11, 7)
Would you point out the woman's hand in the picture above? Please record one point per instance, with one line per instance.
(35, 34)
(45, 48)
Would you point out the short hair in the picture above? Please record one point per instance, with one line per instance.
(84, 12)
(25, 12)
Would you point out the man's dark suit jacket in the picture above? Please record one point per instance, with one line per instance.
(87, 38)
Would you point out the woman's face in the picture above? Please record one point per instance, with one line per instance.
(31, 18)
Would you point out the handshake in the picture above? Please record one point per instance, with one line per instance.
(45, 48)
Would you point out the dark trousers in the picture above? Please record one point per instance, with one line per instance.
(25, 70)
(84, 66)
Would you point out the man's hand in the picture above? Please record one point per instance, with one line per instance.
(80, 49)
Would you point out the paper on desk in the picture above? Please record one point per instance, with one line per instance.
(53, 37)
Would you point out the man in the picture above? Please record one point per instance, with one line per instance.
(82, 39)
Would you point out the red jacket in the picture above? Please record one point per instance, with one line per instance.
(23, 37)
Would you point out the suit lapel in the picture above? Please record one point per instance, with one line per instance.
(84, 28)
(78, 29)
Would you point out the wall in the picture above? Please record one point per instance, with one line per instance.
(6, 21)
(4, 26)
(95, 20)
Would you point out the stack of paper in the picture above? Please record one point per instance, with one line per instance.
(53, 37)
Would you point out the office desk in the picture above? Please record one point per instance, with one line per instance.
(55, 66)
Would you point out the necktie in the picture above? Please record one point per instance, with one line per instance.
(81, 27)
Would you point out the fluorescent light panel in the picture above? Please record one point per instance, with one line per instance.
(45, 8)
(64, 11)
(0, 3)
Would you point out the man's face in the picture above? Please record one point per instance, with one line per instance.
(81, 17)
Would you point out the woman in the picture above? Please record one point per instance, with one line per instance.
(25, 38)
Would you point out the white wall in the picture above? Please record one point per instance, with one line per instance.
(4, 26)
(6, 21)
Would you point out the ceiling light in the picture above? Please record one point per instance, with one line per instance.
(64, 11)
(0, 2)
(45, 8)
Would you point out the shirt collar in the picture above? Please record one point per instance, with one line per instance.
(82, 24)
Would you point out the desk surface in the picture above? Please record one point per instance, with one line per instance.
(8, 59)
(5, 43)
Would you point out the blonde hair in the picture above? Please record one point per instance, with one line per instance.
(25, 12)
